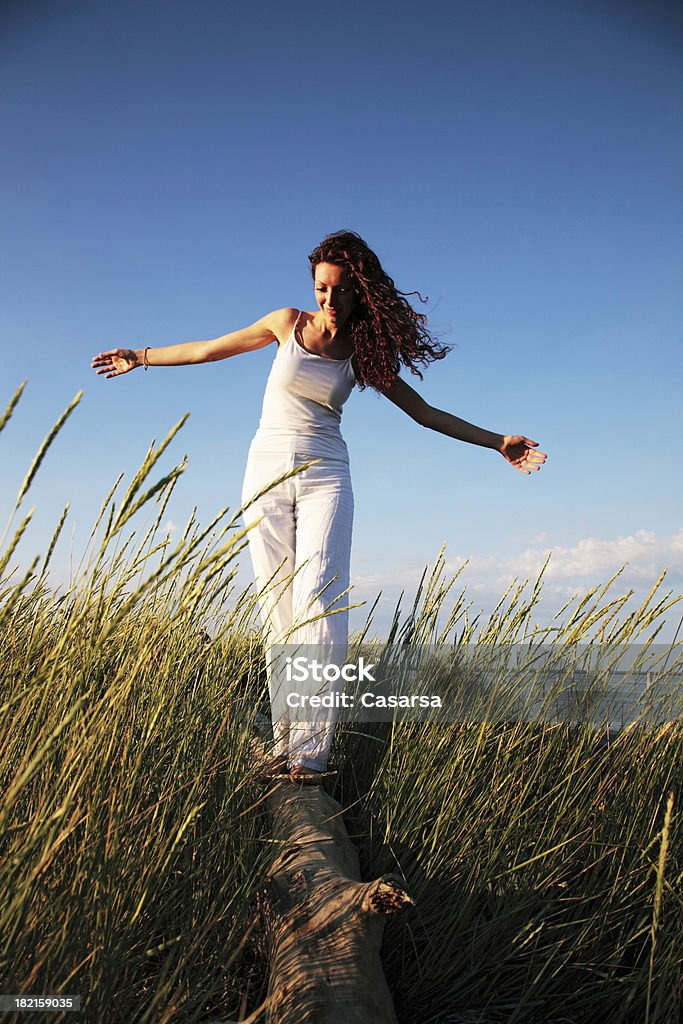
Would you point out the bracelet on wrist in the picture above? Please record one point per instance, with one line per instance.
(145, 360)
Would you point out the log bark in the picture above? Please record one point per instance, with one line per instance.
(324, 924)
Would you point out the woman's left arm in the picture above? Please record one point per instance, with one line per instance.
(515, 448)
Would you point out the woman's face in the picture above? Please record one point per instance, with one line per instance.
(334, 294)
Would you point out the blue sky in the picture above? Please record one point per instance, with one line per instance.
(168, 165)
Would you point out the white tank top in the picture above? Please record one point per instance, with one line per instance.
(302, 404)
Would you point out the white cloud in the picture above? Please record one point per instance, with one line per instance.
(572, 570)
(591, 560)
(677, 543)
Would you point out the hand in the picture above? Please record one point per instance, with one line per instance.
(519, 452)
(116, 362)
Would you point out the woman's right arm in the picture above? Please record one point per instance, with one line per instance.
(269, 328)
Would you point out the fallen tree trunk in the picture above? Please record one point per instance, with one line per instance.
(325, 925)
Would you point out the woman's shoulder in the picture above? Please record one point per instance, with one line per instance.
(281, 322)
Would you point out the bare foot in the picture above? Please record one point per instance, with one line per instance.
(308, 776)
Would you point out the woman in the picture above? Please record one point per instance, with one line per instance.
(362, 332)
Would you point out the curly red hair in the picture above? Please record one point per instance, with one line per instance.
(387, 332)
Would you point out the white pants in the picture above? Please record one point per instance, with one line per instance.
(301, 554)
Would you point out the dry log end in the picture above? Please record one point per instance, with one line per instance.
(386, 895)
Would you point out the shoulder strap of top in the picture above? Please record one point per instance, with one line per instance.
(292, 340)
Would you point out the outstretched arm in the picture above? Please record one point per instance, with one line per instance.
(269, 328)
(515, 448)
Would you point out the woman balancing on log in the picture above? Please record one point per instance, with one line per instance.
(361, 333)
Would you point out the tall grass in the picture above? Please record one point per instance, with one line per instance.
(547, 870)
(546, 865)
(131, 837)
